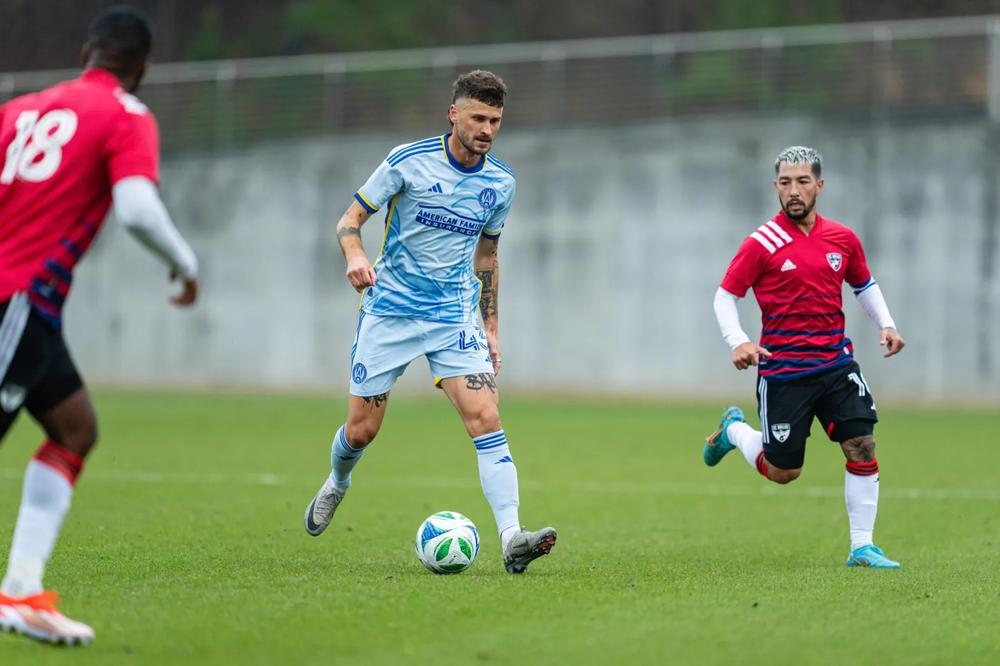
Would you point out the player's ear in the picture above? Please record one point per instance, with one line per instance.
(85, 54)
(819, 184)
(453, 114)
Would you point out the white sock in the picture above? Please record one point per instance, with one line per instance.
(861, 495)
(749, 441)
(45, 500)
(498, 476)
(343, 458)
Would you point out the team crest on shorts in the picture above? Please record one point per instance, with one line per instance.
(781, 431)
(12, 397)
(359, 373)
(488, 198)
(834, 259)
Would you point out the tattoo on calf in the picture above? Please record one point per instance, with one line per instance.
(376, 401)
(483, 380)
(859, 449)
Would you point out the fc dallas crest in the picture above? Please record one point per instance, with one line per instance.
(833, 258)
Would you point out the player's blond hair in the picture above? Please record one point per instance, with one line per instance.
(795, 155)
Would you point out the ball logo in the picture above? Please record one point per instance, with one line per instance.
(834, 259)
(359, 373)
(488, 198)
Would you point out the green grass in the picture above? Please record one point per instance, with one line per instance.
(185, 544)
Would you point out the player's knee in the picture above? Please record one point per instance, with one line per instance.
(859, 449)
(482, 420)
(361, 433)
(783, 476)
(80, 437)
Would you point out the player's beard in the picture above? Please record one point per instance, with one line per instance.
(469, 143)
(806, 209)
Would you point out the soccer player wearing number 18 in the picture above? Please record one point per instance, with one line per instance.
(796, 265)
(66, 155)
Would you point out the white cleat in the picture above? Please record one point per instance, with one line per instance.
(525, 547)
(36, 617)
(320, 511)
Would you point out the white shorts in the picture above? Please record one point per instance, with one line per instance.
(384, 346)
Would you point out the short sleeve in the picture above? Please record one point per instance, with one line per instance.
(134, 148)
(857, 273)
(745, 268)
(499, 216)
(383, 185)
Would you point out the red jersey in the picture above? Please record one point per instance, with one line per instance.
(61, 150)
(798, 282)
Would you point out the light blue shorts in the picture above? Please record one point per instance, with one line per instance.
(384, 346)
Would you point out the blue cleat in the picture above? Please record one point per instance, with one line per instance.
(870, 556)
(717, 445)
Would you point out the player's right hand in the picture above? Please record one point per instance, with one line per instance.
(360, 274)
(748, 354)
(189, 292)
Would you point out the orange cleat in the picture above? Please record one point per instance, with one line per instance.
(36, 617)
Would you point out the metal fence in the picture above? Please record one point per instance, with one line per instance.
(880, 69)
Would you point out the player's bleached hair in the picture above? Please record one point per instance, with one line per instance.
(480, 85)
(795, 155)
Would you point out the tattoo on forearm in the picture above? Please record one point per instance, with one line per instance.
(376, 401)
(348, 231)
(483, 380)
(488, 296)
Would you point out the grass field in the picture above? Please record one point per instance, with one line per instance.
(185, 542)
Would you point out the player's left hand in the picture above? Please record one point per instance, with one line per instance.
(189, 292)
(892, 341)
(494, 346)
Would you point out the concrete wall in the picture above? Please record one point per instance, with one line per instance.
(609, 260)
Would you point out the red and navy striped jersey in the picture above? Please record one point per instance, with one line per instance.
(61, 150)
(798, 282)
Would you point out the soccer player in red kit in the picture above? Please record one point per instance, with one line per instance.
(67, 154)
(796, 264)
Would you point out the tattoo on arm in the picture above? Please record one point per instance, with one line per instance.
(348, 231)
(376, 401)
(488, 296)
(480, 382)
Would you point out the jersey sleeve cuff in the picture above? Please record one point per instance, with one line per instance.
(367, 205)
(495, 236)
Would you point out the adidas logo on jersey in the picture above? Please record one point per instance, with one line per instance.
(436, 187)
(788, 266)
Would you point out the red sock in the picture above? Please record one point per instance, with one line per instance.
(61, 459)
(862, 468)
(762, 464)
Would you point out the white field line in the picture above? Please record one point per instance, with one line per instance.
(665, 488)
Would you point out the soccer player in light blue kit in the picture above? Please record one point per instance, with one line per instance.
(447, 200)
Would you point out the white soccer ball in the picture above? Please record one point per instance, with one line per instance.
(447, 542)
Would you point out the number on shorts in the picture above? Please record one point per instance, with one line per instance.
(36, 151)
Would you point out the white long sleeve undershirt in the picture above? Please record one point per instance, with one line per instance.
(140, 210)
(728, 316)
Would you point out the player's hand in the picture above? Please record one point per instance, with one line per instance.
(493, 343)
(892, 341)
(360, 273)
(188, 294)
(748, 354)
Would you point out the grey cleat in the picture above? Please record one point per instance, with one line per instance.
(320, 511)
(525, 546)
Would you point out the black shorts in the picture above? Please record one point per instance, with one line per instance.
(36, 370)
(839, 398)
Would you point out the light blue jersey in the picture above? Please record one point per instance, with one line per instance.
(437, 210)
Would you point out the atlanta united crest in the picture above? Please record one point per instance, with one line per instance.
(488, 198)
(834, 259)
(781, 431)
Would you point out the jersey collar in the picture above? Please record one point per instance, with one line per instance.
(458, 165)
(101, 76)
